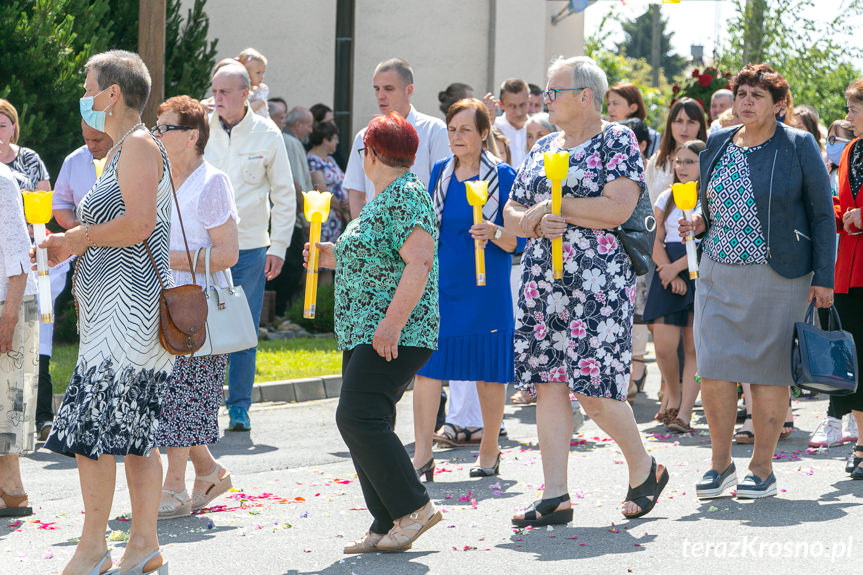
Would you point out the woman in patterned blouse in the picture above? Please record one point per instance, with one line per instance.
(26, 165)
(769, 247)
(574, 334)
(387, 324)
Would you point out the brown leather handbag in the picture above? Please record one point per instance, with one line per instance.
(182, 309)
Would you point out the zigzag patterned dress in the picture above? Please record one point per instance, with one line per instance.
(113, 401)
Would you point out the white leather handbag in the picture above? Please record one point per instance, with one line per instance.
(230, 326)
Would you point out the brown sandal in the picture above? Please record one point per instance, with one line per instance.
(12, 508)
(450, 435)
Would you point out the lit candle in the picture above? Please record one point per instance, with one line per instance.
(477, 196)
(556, 170)
(37, 209)
(316, 207)
(686, 197)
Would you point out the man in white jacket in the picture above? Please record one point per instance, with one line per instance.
(251, 150)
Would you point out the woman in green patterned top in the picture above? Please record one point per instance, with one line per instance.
(387, 326)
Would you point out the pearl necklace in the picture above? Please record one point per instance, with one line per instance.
(118, 144)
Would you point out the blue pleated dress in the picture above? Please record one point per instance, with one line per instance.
(476, 323)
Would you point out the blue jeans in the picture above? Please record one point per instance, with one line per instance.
(249, 273)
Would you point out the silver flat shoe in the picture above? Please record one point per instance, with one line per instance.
(97, 569)
(139, 568)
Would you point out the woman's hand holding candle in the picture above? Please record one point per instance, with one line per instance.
(556, 170)
(686, 197)
(316, 207)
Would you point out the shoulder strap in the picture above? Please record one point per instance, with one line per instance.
(179, 217)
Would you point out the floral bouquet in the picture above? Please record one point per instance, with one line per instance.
(701, 86)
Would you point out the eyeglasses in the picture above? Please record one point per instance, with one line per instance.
(164, 128)
(833, 139)
(551, 93)
(686, 163)
(361, 150)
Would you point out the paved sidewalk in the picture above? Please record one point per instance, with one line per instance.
(300, 503)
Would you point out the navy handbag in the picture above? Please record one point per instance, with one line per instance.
(823, 361)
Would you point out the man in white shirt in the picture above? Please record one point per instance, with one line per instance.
(251, 150)
(513, 102)
(720, 101)
(393, 83)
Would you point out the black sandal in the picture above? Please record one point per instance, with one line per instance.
(650, 487)
(544, 512)
(744, 436)
(639, 383)
(853, 466)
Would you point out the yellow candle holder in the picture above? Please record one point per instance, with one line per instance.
(556, 170)
(37, 210)
(100, 166)
(686, 198)
(316, 207)
(477, 196)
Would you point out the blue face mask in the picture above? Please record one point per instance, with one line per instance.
(834, 152)
(93, 118)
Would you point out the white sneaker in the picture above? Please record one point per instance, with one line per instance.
(849, 428)
(827, 434)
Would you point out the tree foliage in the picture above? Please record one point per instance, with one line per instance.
(815, 57)
(45, 44)
(637, 43)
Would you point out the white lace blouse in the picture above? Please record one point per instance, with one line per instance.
(14, 239)
(206, 201)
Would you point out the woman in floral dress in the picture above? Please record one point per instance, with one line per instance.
(574, 334)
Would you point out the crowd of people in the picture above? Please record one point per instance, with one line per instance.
(778, 223)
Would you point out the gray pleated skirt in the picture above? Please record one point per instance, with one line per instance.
(744, 322)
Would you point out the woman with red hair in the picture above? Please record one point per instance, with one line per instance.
(387, 326)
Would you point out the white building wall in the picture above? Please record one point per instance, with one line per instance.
(445, 41)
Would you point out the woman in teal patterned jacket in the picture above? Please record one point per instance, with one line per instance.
(387, 322)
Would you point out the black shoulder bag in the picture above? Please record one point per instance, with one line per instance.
(638, 232)
(823, 361)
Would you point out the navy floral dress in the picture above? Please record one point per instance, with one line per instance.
(577, 329)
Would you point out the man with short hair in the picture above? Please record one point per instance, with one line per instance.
(513, 102)
(720, 101)
(278, 109)
(299, 122)
(393, 82)
(251, 150)
(79, 172)
(534, 99)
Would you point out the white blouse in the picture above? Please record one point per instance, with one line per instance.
(14, 239)
(206, 201)
(657, 178)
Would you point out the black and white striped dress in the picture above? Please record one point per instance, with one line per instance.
(114, 399)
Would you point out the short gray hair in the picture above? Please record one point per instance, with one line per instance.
(296, 114)
(541, 118)
(401, 67)
(723, 93)
(585, 74)
(238, 71)
(125, 69)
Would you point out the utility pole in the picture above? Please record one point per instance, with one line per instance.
(753, 36)
(151, 48)
(656, 43)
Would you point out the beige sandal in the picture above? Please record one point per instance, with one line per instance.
(368, 543)
(219, 486)
(13, 505)
(522, 398)
(172, 510)
(408, 528)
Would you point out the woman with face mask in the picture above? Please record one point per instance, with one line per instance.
(839, 135)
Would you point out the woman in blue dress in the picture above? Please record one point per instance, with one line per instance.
(476, 329)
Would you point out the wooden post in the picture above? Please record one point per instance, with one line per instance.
(151, 47)
(753, 35)
(655, 45)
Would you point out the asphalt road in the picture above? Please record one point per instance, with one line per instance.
(300, 503)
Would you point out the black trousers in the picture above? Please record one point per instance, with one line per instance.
(44, 393)
(850, 308)
(371, 387)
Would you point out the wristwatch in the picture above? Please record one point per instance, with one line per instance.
(498, 231)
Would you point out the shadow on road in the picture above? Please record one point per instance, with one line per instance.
(579, 542)
(769, 512)
(401, 563)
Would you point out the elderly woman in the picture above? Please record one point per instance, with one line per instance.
(327, 175)
(769, 248)
(387, 324)
(114, 399)
(536, 127)
(475, 337)
(849, 263)
(623, 101)
(26, 165)
(19, 347)
(190, 406)
(573, 334)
